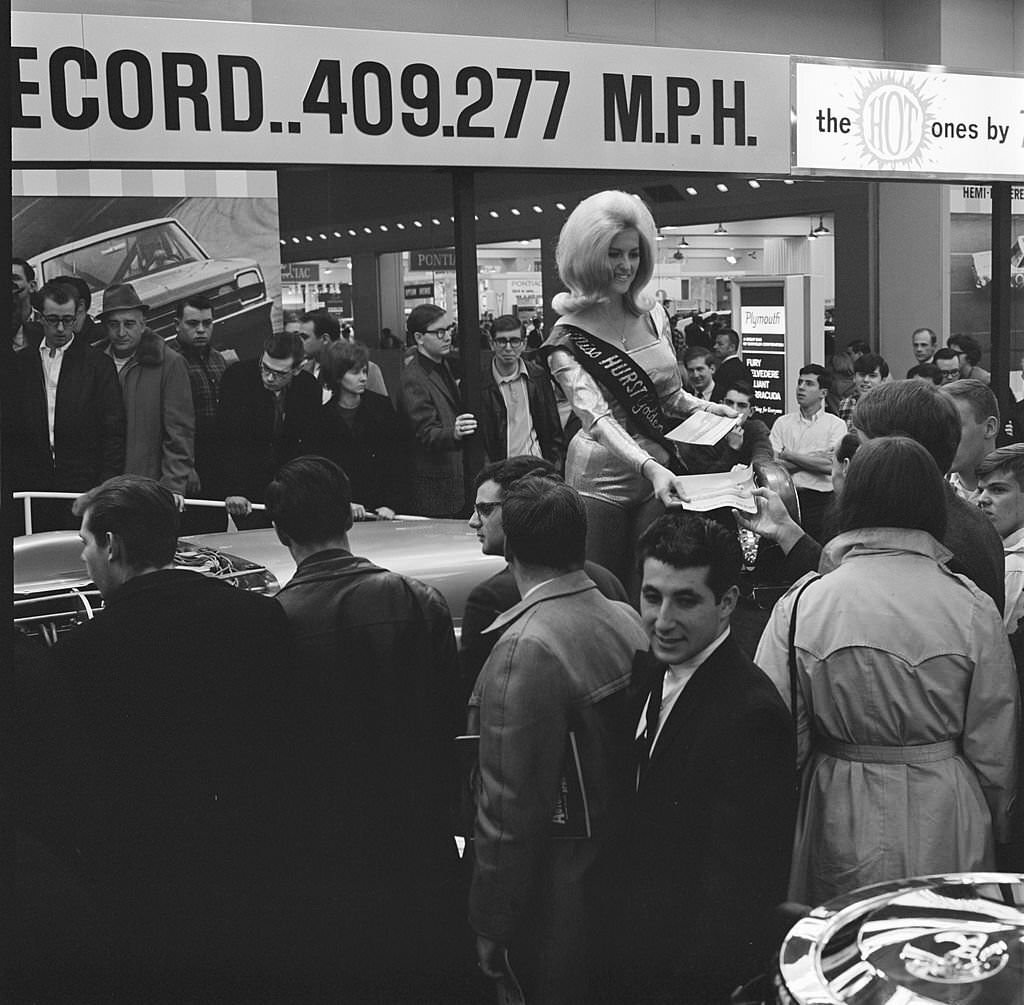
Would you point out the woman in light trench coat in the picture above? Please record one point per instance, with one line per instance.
(905, 691)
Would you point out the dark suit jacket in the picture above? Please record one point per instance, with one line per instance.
(729, 372)
(182, 687)
(245, 423)
(373, 452)
(711, 832)
(755, 449)
(429, 409)
(543, 410)
(89, 425)
(496, 595)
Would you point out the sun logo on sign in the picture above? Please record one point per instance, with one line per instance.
(892, 111)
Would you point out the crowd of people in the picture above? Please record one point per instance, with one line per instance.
(238, 798)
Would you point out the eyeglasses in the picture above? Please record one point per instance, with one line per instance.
(442, 333)
(274, 374)
(59, 322)
(513, 342)
(485, 509)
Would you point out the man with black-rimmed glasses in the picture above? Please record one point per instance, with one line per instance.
(431, 404)
(518, 413)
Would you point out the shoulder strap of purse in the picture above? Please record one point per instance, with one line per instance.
(792, 646)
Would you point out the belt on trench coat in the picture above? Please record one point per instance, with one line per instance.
(919, 753)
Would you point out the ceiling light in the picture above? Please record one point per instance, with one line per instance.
(435, 221)
(283, 241)
(720, 229)
(494, 214)
(416, 223)
(514, 212)
(722, 187)
(731, 259)
(678, 255)
(323, 237)
(309, 237)
(683, 243)
(351, 233)
(788, 181)
(754, 183)
(661, 236)
(691, 191)
(384, 228)
(560, 205)
(366, 230)
(475, 217)
(295, 240)
(813, 235)
(400, 226)
(537, 209)
(821, 230)
(336, 234)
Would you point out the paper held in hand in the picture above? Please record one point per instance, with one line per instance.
(702, 428)
(730, 488)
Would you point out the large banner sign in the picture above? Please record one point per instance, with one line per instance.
(878, 119)
(101, 89)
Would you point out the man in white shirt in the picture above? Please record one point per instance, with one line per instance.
(1001, 498)
(710, 833)
(979, 425)
(804, 442)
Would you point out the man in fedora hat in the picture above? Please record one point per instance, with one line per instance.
(160, 440)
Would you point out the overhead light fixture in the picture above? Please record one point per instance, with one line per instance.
(691, 190)
(678, 254)
(323, 237)
(514, 212)
(661, 236)
(351, 233)
(720, 229)
(753, 183)
(384, 227)
(366, 230)
(731, 259)
(560, 205)
(309, 237)
(788, 181)
(416, 223)
(821, 230)
(813, 235)
(722, 187)
(336, 234)
(494, 214)
(435, 221)
(537, 209)
(283, 241)
(400, 226)
(683, 243)
(295, 240)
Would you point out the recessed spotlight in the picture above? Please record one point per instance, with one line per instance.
(351, 233)
(323, 237)
(400, 226)
(754, 183)
(295, 240)
(384, 228)
(691, 190)
(416, 223)
(722, 187)
(283, 241)
(309, 237)
(788, 181)
(537, 209)
(435, 221)
(494, 214)
(366, 230)
(731, 259)
(514, 212)
(560, 205)
(336, 234)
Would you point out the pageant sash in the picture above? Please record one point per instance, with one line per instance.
(630, 384)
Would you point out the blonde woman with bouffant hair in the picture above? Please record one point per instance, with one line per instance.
(582, 253)
(611, 353)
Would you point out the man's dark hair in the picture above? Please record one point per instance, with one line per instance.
(915, 409)
(545, 524)
(688, 541)
(697, 352)
(817, 370)
(858, 345)
(284, 345)
(506, 323)
(946, 353)
(81, 287)
(743, 386)
(30, 273)
(140, 512)
(196, 302)
(928, 371)
(1009, 459)
(978, 395)
(893, 482)
(310, 500)
(847, 447)
(969, 345)
(59, 292)
(732, 335)
(420, 318)
(324, 323)
(869, 363)
(504, 473)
